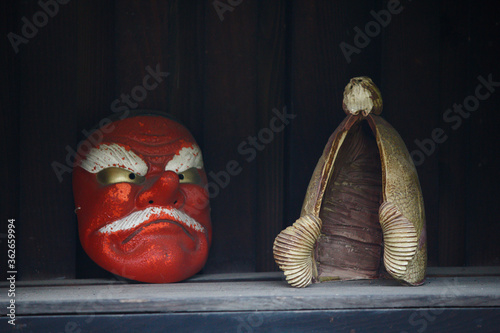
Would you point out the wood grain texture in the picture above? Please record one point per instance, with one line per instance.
(455, 73)
(95, 79)
(400, 320)
(230, 108)
(143, 34)
(451, 272)
(271, 90)
(186, 51)
(47, 93)
(9, 130)
(482, 181)
(96, 67)
(225, 78)
(273, 295)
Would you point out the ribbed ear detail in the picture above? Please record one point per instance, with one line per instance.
(293, 250)
(400, 240)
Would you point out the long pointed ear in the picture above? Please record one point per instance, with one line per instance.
(402, 215)
(293, 250)
(400, 240)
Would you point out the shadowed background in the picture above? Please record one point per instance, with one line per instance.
(230, 63)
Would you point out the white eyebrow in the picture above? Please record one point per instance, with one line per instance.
(113, 155)
(186, 158)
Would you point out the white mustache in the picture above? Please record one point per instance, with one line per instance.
(137, 218)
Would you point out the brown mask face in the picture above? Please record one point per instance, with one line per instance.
(363, 204)
(143, 211)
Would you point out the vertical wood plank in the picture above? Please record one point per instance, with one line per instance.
(319, 73)
(229, 120)
(96, 68)
(95, 91)
(142, 35)
(9, 130)
(454, 83)
(410, 87)
(225, 77)
(271, 86)
(47, 82)
(483, 210)
(186, 50)
(166, 36)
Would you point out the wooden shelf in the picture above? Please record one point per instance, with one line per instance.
(464, 299)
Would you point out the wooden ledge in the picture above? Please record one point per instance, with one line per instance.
(452, 300)
(252, 292)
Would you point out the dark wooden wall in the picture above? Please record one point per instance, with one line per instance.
(227, 72)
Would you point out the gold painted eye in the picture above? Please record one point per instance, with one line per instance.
(190, 176)
(118, 175)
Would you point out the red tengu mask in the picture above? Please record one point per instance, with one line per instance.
(142, 207)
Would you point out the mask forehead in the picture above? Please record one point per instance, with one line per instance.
(157, 139)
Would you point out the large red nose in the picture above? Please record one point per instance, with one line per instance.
(161, 190)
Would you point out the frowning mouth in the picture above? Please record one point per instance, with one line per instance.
(139, 220)
(138, 230)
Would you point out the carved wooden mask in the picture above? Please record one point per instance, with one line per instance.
(143, 210)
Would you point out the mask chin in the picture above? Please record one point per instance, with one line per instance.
(160, 259)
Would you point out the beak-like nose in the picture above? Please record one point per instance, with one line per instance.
(162, 191)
